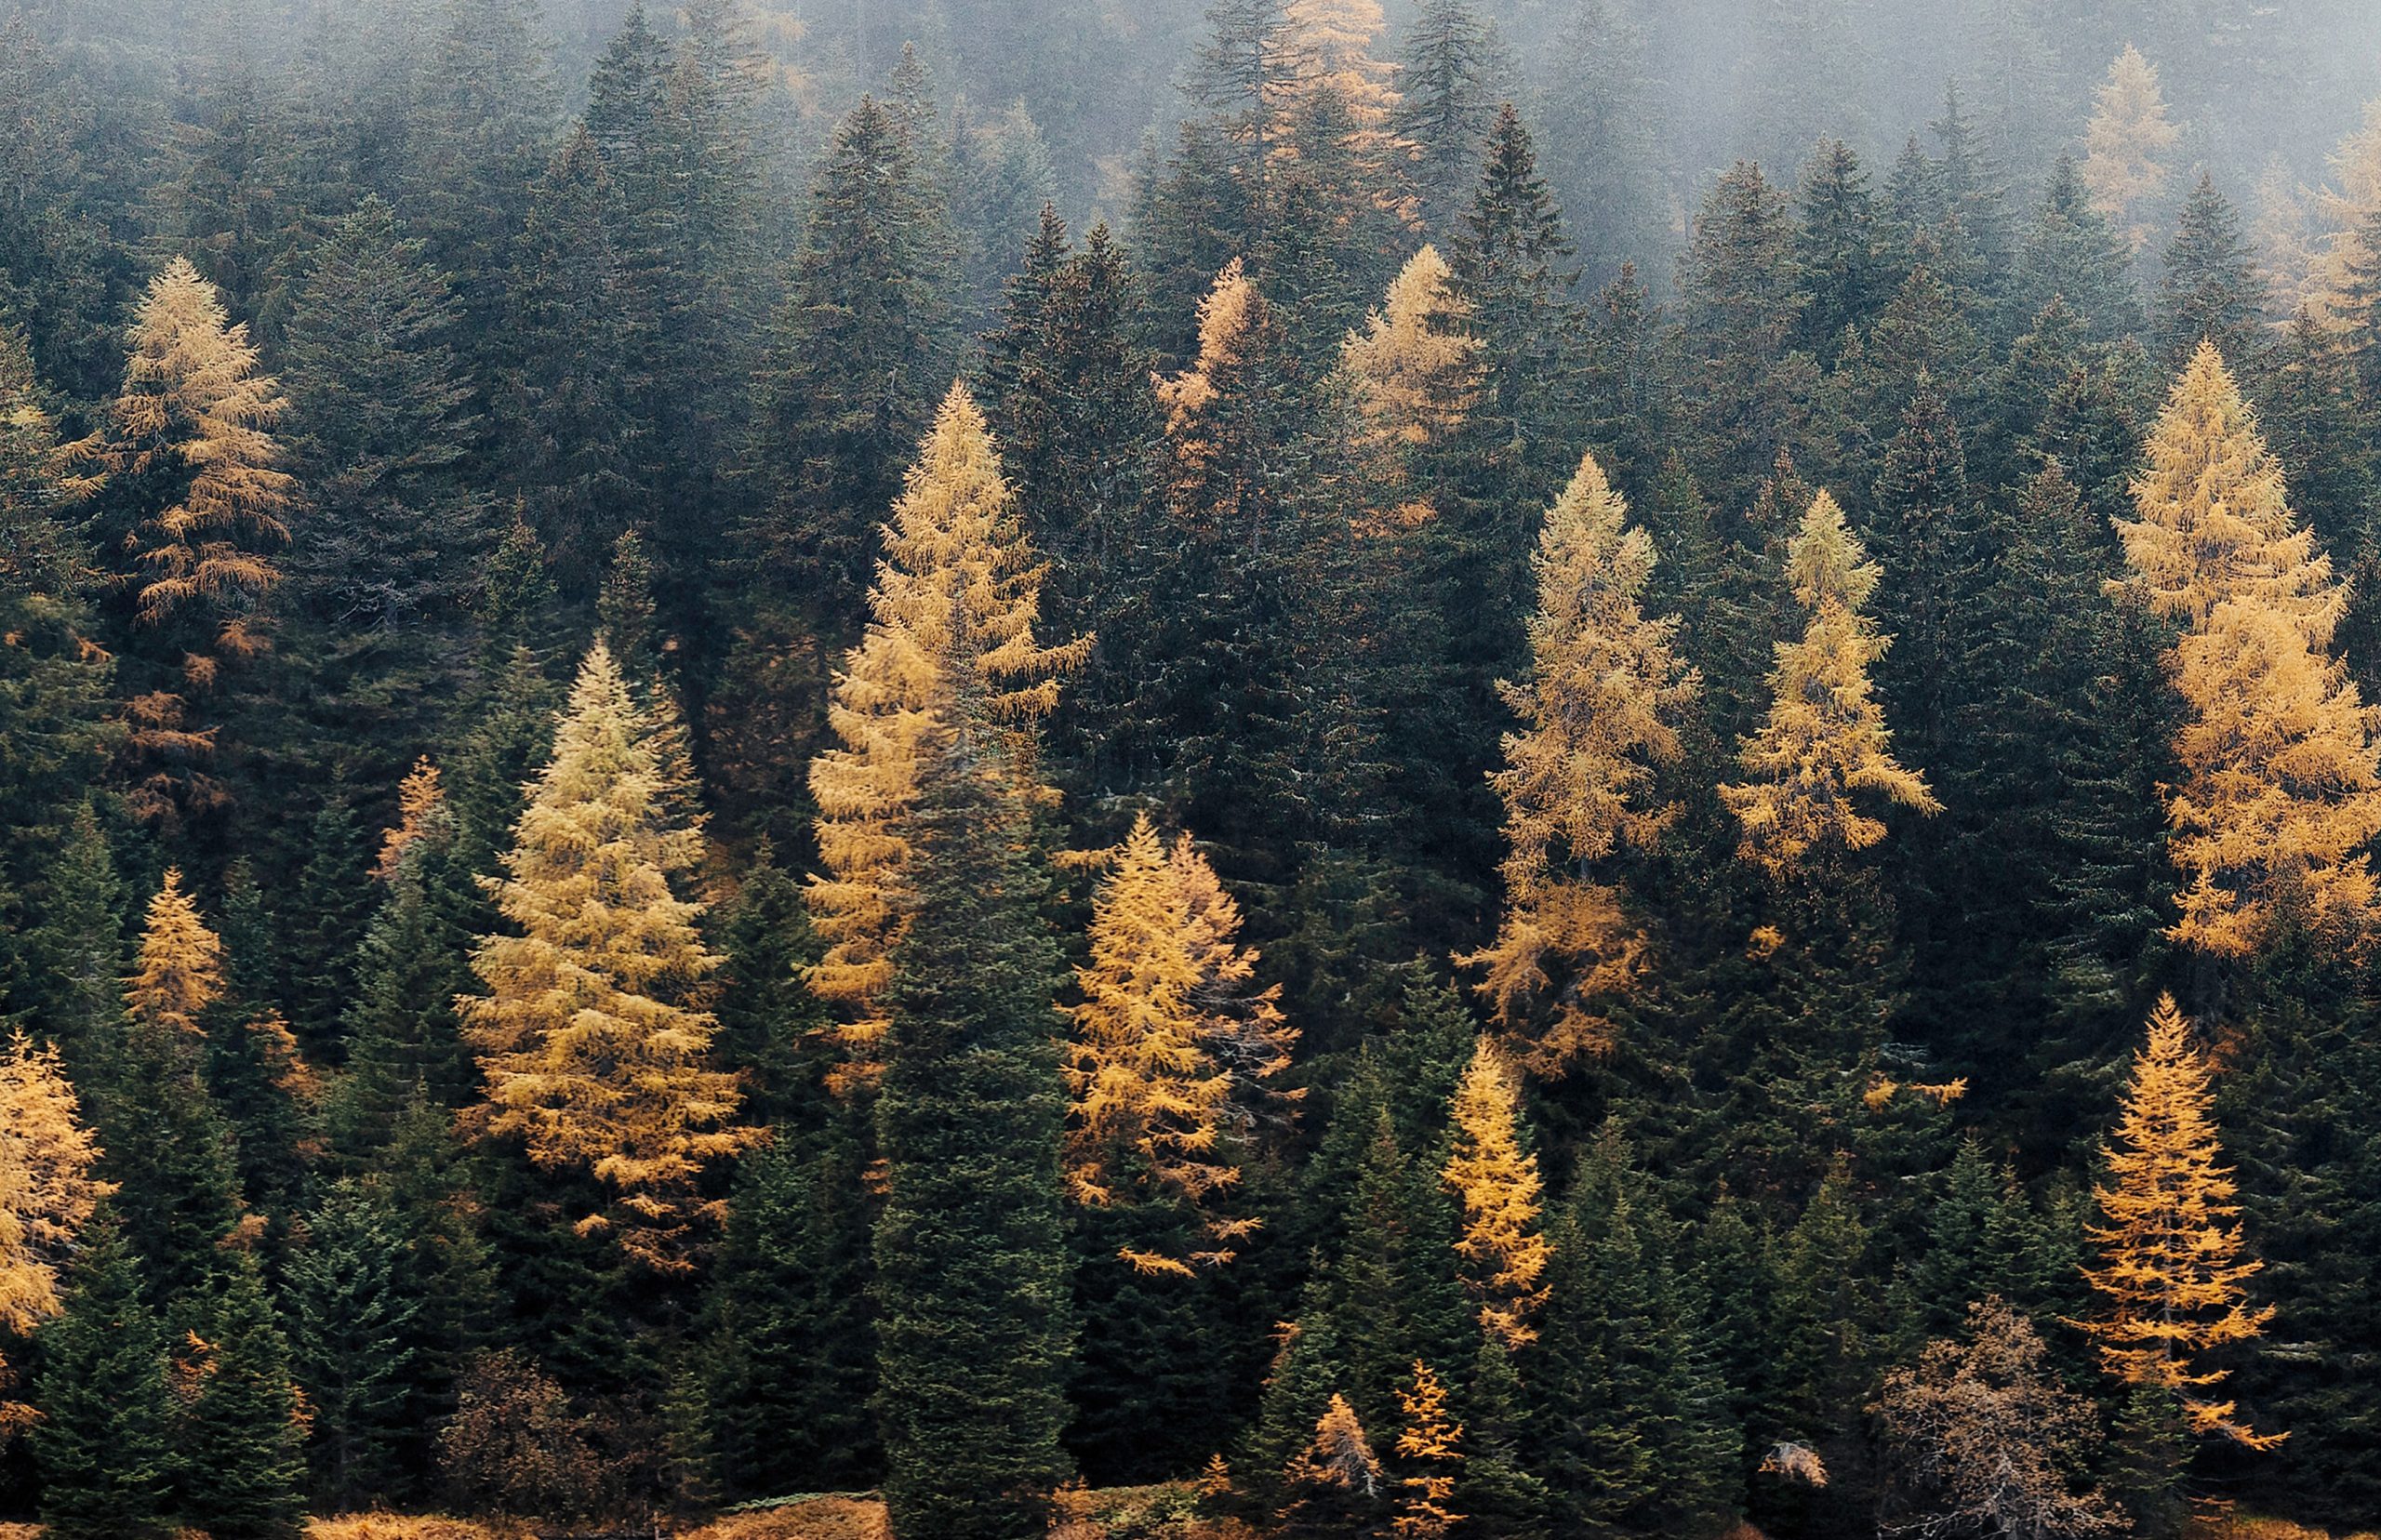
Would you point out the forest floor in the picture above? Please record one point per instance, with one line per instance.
(1124, 1513)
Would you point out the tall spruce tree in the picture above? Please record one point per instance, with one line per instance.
(972, 1291)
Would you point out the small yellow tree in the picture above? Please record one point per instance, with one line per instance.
(2281, 792)
(179, 972)
(2122, 166)
(1431, 1443)
(47, 1194)
(591, 1034)
(1496, 1182)
(420, 806)
(952, 618)
(1825, 740)
(1414, 368)
(1336, 1471)
(1171, 1044)
(1604, 683)
(2171, 1283)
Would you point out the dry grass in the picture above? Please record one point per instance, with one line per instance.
(405, 1526)
(2246, 1527)
(819, 1519)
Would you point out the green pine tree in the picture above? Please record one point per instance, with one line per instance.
(354, 1335)
(239, 1449)
(105, 1444)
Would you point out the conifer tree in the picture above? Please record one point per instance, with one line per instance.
(105, 1442)
(566, 396)
(46, 1194)
(1512, 261)
(971, 1276)
(1429, 1445)
(1599, 704)
(1494, 1175)
(1172, 1048)
(953, 618)
(179, 972)
(1824, 738)
(1447, 79)
(2073, 254)
(1739, 304)
(1415, 365)
(846, 395)
(1839, 249)
(591, 1033)
(194, 510)
(2282, 779)
(1335, 1482)
(354, 1340)
(382, 420)
(2172, 1282)
(2210, 289)
(327, 909)
(2130, 134)
(1605, 124)
(53, 676)
(238, 1445)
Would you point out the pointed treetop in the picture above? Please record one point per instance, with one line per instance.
(180, 969)
(1415, 366)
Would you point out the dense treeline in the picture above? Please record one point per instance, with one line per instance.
(1433, 823)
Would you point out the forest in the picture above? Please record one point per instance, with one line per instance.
(1198, 770)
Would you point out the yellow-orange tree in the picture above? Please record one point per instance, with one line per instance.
(2124, 144)
(2172, 1274)
(1415, 367)
(1429, 1444)
(951, 620)
(592, 1034)
(1604, 683)
(2280, 789)
(193, 507)
(47, 1194)
(1825, 743)
(179, 972)
(1497, 1181)
(1172, 1044)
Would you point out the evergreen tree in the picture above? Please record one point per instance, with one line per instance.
(1448, 105)
(1603, 121)
(1511, 263)
(971, 1288)
(354, 1340)
(1740, 296)
(2073, 255)
(382, 567)
(846, 395)
(105, 1442)
(329, 905)
(2210, 289)
(239, 1448)
(1838, 248)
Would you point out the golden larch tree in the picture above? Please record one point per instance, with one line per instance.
(180, 970)
(1327, 46)
(1339, 1456)
(194, 411)
(1497, 1181)
(1172, 1043)
(1824, 741)
(1604, 685)
(2343, 209)
(2171, 1283)
(47, 1194)
(1414, 368)
(952, 619)
(592, 1034)
(2124, 168)
(2280, 787)
(1431, 1444)
(422, 807)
